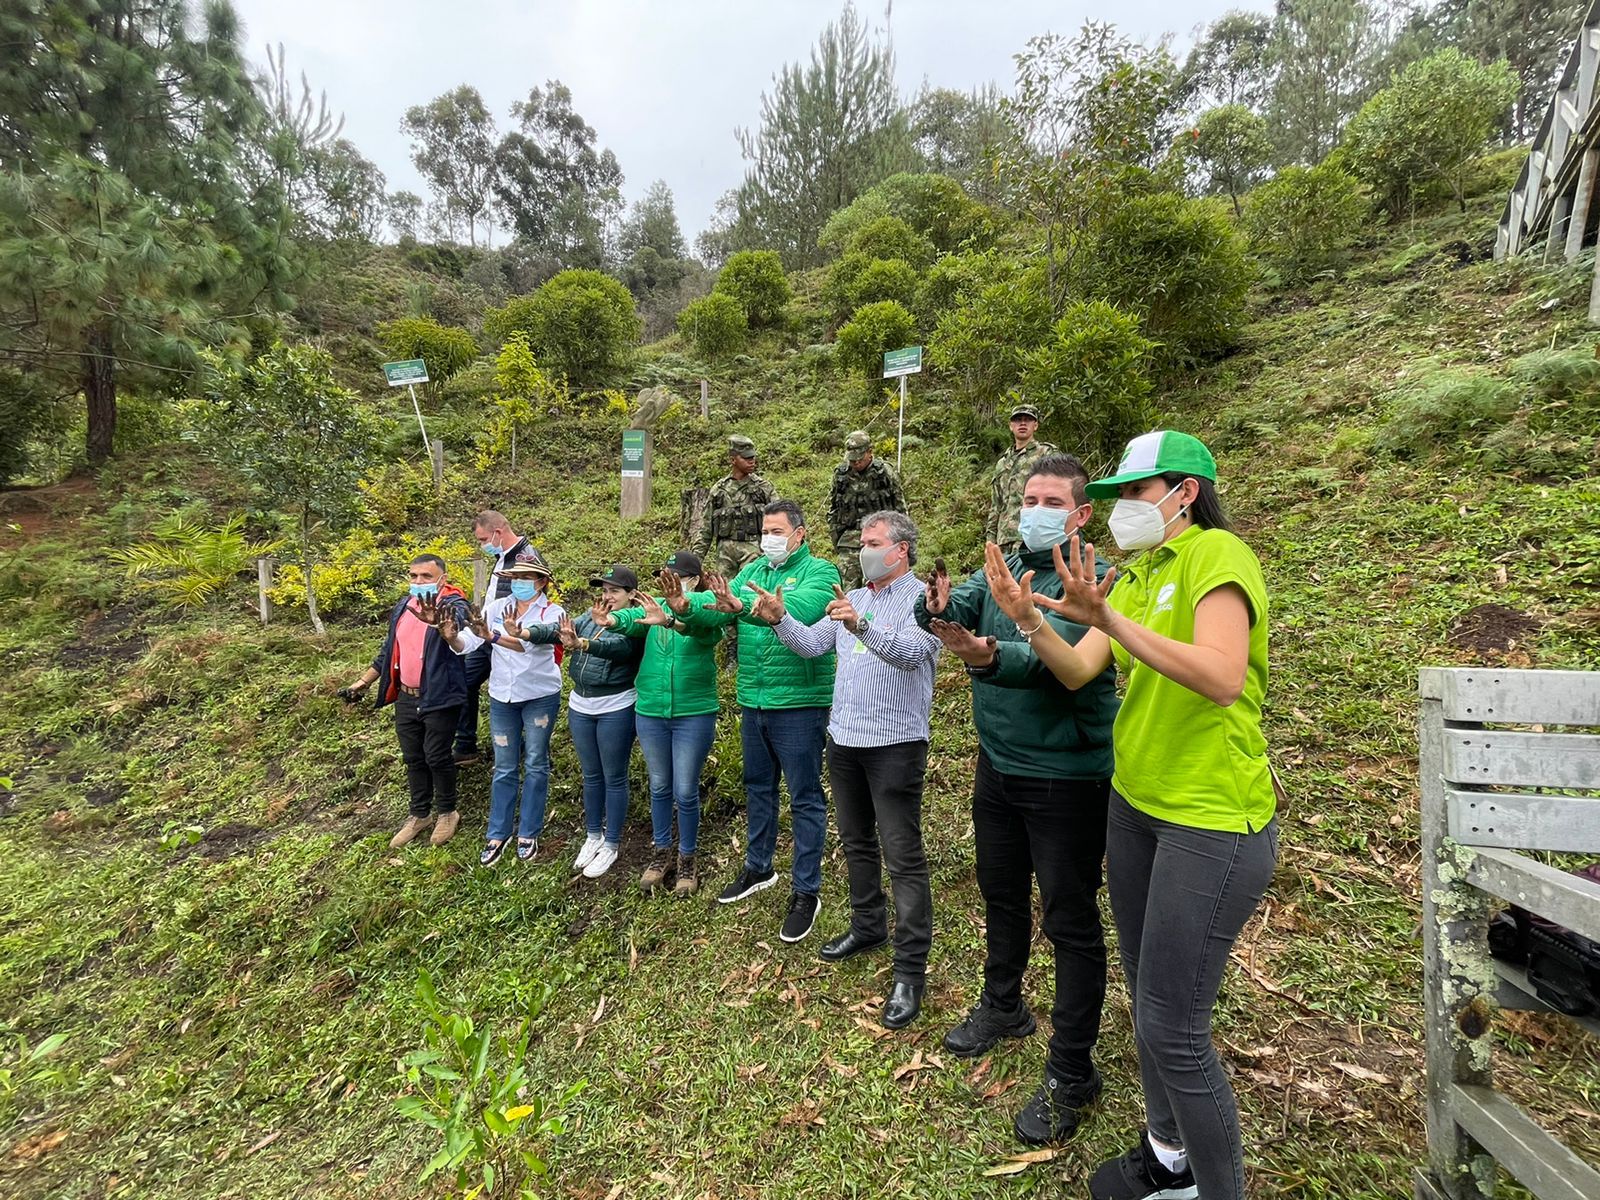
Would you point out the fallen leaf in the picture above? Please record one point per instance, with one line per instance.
(37, 1147)
(1359, 1072)
(599, 1011)
(1034, 1156)
(982, 1069)
(1010, 1168)
(999, 1088)
(265, 1142)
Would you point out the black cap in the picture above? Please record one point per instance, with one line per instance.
(684, 563)
(617, 575)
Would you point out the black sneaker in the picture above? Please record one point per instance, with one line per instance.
(747, 883)
(1056, 1108)
(982, 1028)
(1139, 1175)
(803, 910)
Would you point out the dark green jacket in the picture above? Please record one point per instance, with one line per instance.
(606, 668)
(1028, 722)
(770, 674)
(678, 677)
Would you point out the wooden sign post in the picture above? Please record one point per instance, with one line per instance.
(636, 469)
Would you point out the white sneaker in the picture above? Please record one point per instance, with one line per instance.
(605, 858)
(591, 847)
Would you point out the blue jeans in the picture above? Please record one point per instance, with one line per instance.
(787, 740)
(675, 749)
(520, 730)
(603, 744)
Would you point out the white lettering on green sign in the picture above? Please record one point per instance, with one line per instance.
(907, 361)
(412, 370)
(633, 453)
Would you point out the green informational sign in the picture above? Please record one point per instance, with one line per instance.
(902, 362)
(633, 453)
(412, 370)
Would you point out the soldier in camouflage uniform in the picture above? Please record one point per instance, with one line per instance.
(861, 485)
(731, 536)
(1011, 476)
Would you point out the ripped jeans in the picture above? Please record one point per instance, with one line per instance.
(520, 730)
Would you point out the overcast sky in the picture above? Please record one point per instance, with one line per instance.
(664, 84)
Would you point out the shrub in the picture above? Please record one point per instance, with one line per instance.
(186, 564)
(1428, 127)
(580, 323)
(872, 330)
(1094, 372)
(1180, 267)
(955, 279)
(523, 396)
(891, 238)
(29, 414)
(1443, 406)
(1305, 220)
(445, 348)
(714, 325)
(756, 280)
(856, 280)
(980, 344)
(934, 206)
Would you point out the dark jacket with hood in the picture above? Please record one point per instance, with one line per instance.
(444, 672)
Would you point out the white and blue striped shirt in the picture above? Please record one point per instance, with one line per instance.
(883, 687)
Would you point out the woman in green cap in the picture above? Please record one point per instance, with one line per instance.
(1192, 837)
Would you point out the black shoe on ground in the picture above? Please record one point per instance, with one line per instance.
(1139, 1175)
(981, 1029)
(803, 910)
(465, 758)
(747, 883)
(1056, 1108)
(849, 944)
(903, 1004)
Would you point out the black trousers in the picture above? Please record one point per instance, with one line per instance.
(1053, 830)
(477, 666)
(425, 746)
(877, 803)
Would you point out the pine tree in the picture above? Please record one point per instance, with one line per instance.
(136, 221)
(830, 129)
(1321, 51)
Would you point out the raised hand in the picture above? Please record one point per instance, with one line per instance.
(841, 610)
(568, 632)
(672, 592)
(938, 597)
(964, 644)
(654, 614)
(725, 600)
(428, 609)
(447, 624)
(1083, 599)
(477, 622)
(1015, 597)
(600, 614)
(769, 606)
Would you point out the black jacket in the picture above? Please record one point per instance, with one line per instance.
(444, 672)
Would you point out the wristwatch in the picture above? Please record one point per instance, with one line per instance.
(862, 625)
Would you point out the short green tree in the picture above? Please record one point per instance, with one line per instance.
(874, 329)
(714, 325)
(1305, 220)
(523, 394)
(446, 349)
(579, 322)
(1428, 127)
(934, 206)
(185, 562)
(979, 344)
(1231, 146)
(299, 440)
(756, 280)
(1095, 372)
(956, 279)
(890, 237)
(857, 279)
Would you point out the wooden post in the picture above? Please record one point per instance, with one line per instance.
(263, 583)
(692, 514)
(705, 399)
(480, 579)
(436, 451)
(1555, 242)
(1578, 218)
(1594, 292)
(638, 460)
(1455, 1031)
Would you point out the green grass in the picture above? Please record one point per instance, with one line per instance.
(235, 1009)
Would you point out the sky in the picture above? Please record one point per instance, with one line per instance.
(664, 84)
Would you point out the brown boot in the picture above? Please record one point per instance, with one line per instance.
(445, 828)
(656, 869)
(412, 827)
(688, 881)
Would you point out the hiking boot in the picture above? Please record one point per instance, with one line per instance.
(747, 883)
(802, 915)
(1052, 1115)
(408, 831)
(445, 827)
(656, 869)
(688, 880)
(981, 1029)
(1139, 1175)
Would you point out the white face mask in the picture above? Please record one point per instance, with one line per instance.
(1137, 524)
(776, 548)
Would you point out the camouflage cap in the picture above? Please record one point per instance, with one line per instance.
(857, 442)
(1024, 410)
(741, 445)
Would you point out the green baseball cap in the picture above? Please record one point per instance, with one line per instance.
(1156, 454)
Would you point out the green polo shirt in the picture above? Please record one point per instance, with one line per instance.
(1180, 757)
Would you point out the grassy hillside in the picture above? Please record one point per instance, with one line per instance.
(234, 1008)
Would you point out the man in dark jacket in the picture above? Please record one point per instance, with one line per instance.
(1038, 807)
(424, 676)
(495, 538)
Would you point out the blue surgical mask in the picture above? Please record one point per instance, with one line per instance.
(1041, 527)
(524, 589)
(424, 590)
(492, 550)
